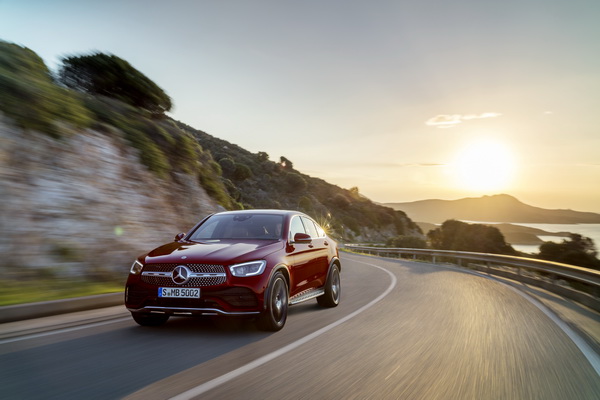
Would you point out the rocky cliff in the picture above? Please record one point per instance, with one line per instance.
(85, 205)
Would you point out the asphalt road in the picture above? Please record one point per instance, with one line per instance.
(404, 330)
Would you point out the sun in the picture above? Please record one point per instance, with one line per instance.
(484, 166)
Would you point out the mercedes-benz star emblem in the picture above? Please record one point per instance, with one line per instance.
(181, 274)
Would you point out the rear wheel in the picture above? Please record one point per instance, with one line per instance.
(150, 319)
(274, 316)
(333, 289)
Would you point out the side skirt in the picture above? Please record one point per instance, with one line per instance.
(306, 295)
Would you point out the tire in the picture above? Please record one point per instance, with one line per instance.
(333, 289)
(150, 319)
(274, 316)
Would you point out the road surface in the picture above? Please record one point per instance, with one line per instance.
(404, 330)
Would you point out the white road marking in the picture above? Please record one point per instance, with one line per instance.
(589, 353)
(205, 387)
(63, 330)
(581, 344)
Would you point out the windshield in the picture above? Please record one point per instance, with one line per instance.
(240, 226)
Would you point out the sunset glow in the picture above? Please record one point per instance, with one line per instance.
(484, 166)
(404, 100)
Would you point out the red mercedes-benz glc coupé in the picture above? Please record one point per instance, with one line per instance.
(237, 263)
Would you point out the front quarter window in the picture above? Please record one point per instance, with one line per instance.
(296, 226)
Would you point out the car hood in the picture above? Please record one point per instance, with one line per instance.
(223, 252)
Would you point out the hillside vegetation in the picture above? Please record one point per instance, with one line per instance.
(255, 181)
(79, 98)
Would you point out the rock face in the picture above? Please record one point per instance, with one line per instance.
(85, 205)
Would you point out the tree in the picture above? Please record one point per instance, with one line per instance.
(578, 250)
(460, 236)
(111, 76)
(408, 242)
(262, 156)
(285, 163)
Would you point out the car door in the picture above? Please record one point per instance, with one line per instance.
(302, 268)
(320, 252)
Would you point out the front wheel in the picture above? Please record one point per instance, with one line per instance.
(274, 316)
(150, 319)
(333, 289)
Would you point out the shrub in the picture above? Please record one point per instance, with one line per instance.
(295, 182)
(227, 165)
(410, 242)
(242, 172)
(29, 96)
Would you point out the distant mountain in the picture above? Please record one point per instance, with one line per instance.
(497, 208)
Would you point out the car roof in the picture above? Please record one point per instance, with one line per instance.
(261, 211)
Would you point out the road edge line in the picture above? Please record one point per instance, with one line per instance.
(218, 381)
(588, 352)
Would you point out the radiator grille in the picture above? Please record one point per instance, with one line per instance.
(166, 281)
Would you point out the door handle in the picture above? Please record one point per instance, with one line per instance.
(326, 243)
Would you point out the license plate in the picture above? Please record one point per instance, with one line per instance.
(180, 293)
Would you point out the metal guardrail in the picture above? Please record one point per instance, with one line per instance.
(577, 283)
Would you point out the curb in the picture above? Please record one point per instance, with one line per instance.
(22, 312)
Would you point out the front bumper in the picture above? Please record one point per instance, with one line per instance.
(186, 311)
(232, 301)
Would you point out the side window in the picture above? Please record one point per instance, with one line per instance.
(311, 229)
(296, 227)
(320, 230)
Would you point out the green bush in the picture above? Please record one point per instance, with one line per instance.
(295, 182)
(242, 172)
(227, 166)
(409, 242)
(29, 96)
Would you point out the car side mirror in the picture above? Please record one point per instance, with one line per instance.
(179, 236)
(302, 238)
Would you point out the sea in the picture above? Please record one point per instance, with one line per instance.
(588, 230)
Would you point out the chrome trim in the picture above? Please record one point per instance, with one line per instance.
(155, 273)
(208, 275)
(191, 310)
(192, 274)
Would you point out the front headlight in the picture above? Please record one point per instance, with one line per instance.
(249, 268)
(136, 268)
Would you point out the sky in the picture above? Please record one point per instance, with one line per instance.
(407, 100)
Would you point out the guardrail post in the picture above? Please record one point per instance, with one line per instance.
(433, 260)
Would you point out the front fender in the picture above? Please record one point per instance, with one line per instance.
(286, 273)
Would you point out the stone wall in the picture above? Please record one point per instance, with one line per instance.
(85, 205)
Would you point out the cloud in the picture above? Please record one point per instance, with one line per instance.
(450, 121)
